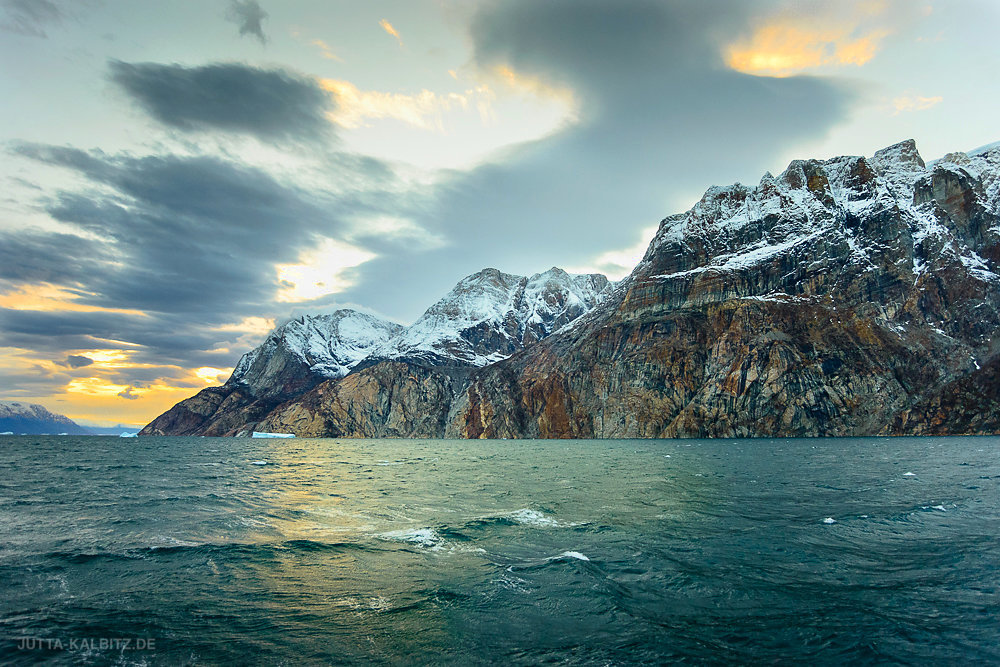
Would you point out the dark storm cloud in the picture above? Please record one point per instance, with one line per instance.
(248, 15)
(194, 235)
(78, 361)
(33, 256)
(269, 104)
(29, 17)
(192, 242)
(660, 118)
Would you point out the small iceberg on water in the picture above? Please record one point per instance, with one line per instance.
(264, 434)
(127, 434)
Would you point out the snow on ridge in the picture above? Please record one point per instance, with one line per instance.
(813, 198)
(20, 409)
(489, 315)
(331, 345)
(485, 318)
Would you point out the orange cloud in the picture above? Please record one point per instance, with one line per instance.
(48, 297)
(99, 399)
(423, 109)
(533, 85)
(388, 27)
(95, 392)
(326, 51)
(823, 36)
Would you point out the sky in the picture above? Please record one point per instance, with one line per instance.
(178, 178)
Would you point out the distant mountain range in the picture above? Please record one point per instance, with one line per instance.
(33, 419)
(852, 296)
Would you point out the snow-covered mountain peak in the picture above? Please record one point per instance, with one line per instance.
(903, 156)
(329, 346)
(19, 417)
(490, 315)
(16, 408)
(851, 211)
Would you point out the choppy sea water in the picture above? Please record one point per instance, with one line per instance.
(237, 551)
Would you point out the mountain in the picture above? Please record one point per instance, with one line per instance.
(490, 315)
(486, 317)
(33, 419)
(851, 296)
(296, 353)
(292, 359)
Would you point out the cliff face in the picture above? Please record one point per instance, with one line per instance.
(294, 358)
(852, 296)
(486, 317)
(847, 297)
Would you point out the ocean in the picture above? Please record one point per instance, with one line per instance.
(206, 551)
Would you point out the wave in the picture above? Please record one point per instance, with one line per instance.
(184, 548)
(520, 517)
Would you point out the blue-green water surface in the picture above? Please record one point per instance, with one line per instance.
(237, 551)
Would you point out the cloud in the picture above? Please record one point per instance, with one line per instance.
(29, 17)
(177, 258)
(657, 117)
(424, 109)
(249, 16)
(783, 49)
(908, 103)
(128, 394)
(810, 36)
(78, 361)
(269, 104)
(320, 271)
(388, 27)
(326, 50)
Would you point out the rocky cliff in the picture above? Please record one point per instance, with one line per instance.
(486, 317)
(292, 359)
(852, 296)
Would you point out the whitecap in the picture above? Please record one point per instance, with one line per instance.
(939, 507)
(572, 554)
(425, 537)
(530, 517)
(829, 520)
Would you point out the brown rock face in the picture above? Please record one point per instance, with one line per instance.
(390, 399)
(847, 297)
(851, 296)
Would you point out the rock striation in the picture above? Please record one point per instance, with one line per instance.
(851, 296)
(486, 317)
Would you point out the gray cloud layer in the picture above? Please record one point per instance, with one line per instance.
(268, 104)
(661, 117)
(190, 241)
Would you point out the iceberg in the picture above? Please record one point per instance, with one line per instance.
(263, 434)
(126, 434)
